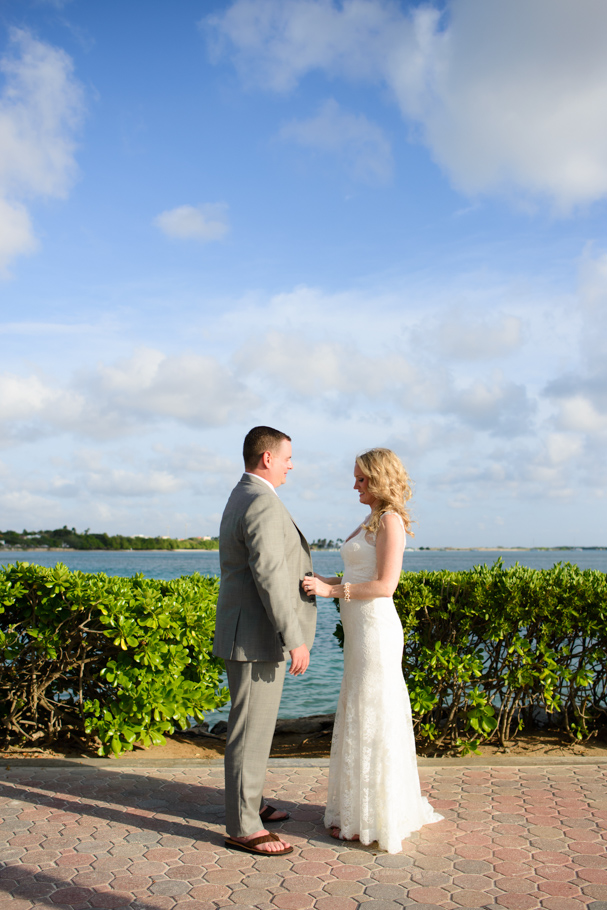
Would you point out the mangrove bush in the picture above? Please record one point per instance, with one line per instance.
(105, 660)
(491, 650)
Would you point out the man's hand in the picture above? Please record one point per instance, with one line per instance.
(300, 659)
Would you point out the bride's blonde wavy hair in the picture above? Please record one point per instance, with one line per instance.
(389, 483)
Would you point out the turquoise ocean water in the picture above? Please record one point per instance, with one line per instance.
(316, 692)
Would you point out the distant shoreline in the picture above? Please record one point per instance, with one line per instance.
(107, 550)
(314, 550)
(503, 549)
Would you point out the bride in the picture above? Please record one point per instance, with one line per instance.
(374, 791)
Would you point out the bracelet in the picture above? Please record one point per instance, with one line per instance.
(347, 591)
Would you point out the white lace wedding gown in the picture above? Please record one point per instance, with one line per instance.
(374, 786)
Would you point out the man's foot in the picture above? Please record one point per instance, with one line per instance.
(336, 833)
(270, 814)
(252, 843)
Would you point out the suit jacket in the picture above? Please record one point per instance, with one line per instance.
(262, 609)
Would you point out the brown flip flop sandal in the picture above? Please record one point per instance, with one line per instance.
(250, 846)
(270, 810)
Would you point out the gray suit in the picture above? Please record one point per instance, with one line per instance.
(262, 613)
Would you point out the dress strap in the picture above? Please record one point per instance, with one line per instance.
(392, 512)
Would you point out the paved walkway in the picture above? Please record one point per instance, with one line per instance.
(518, 837)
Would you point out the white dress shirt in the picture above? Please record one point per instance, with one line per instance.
(273, 488)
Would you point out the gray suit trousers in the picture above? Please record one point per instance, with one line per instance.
(255, 690)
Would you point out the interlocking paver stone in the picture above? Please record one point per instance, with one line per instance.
(223, 876)
(473, 882)
(386, 892)
(310, 868)
(259, 880)
(472, 867)
(71, 896)
(113, 900)
(430, 879)
(562, 903)
(90, 879)
(471, 898)
(433, 863)
(349, 872)
(343, 888)
(251, 897)
(519, 902)
(33, 890)
(293, 901)
(380, 904)
(209, 892)
(517, 884)
(529, 838)
(394, 861)
(301, 883)
(428, 895)
(336, 903)
(170, 888)
(396, 876)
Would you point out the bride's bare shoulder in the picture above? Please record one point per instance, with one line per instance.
(391, 521)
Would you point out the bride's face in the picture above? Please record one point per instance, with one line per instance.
(361, 483)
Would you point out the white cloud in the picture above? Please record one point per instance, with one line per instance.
(193, 388)
(495, 405)
(18, 506)
(561, 448)
(24, 398)
(118, 482)
(512, 98)
(313, 368)
(168, 424)
(196, 459)
(505, 95)
(16, 232)
(593, 284)
(578, 413)
(463, 339)
(41, 108)
(361, 144)
(580, 393)
(187, 222)
(277, 43)
(120, 398)
(347, 375)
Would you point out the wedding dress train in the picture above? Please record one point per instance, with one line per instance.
(374, 788)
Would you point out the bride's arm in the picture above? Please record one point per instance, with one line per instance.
(334, 580)
(390, 546)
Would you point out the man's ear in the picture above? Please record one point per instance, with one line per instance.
(266, 459)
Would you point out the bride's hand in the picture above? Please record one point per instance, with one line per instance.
(312, 584)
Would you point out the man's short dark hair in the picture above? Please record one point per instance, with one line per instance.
(260, 440)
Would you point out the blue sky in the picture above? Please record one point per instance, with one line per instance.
(363, 222)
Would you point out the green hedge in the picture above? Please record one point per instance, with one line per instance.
(489, 650)
(102, 659)
(122, 660)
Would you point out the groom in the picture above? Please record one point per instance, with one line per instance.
(262, 613)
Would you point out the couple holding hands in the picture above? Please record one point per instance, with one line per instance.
(266, 612)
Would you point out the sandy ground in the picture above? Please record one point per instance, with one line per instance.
(184, 748)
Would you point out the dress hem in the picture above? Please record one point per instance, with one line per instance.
(366, 841)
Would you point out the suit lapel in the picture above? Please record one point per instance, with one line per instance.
(262, 488)
(302, 538)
